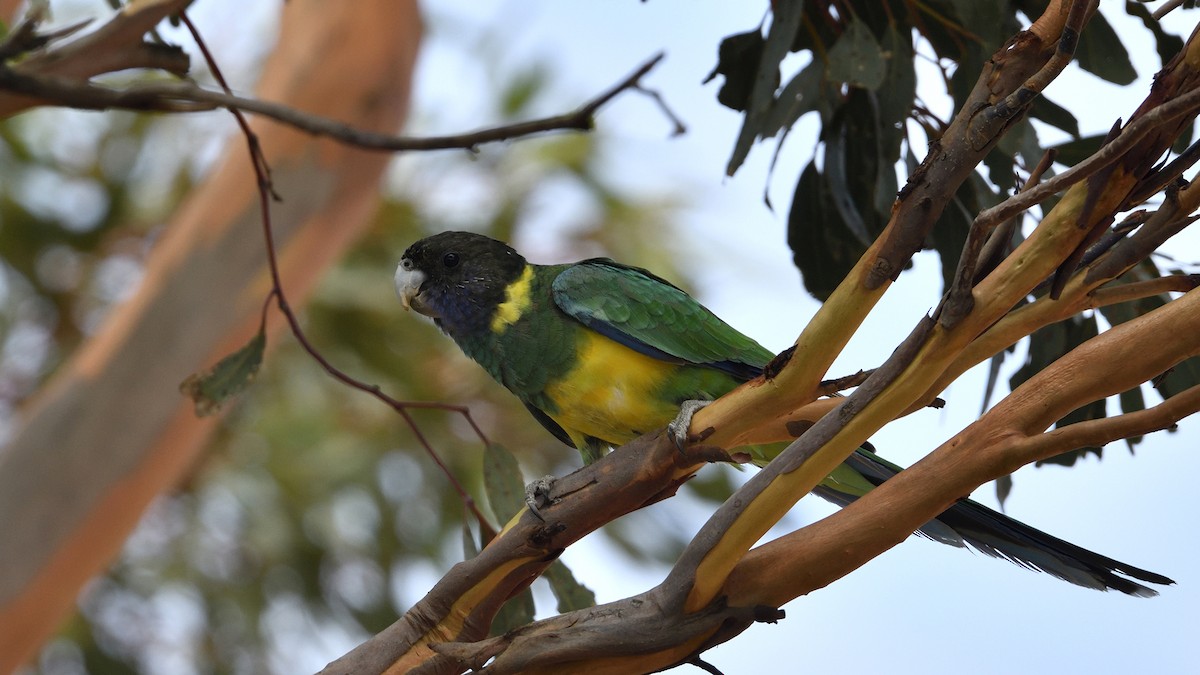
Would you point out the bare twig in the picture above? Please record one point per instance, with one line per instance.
(1167, 8)
(187, 97)
(999, 242)
(266, 192)
(1127, 139)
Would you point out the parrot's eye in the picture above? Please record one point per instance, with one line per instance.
(450, 259)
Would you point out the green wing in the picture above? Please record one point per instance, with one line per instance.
(643, 312)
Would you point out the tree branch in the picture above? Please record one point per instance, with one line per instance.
(760, 408)
(186, 98)
(1008, 436)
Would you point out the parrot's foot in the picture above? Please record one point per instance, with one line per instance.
(678, 428)
(537, 495)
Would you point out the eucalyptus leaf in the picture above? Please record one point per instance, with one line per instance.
(503, 483)
(856, 58)
(1168, 45)
(213, 388)
(1102, 53)
(518, 611)
(571, 594)
(737, 61)
(783, 29)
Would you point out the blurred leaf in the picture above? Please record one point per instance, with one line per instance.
(766, 79)
(521, 91)
(1132, 401)
(856, 58)
(1184, 375)
(801, 95)
(1167, 45)
(1074, 152)
(1055, 115)
(852, 163)
(1004, 486)
(1185, 139)
(895, 100)
(211, 389)
(1102, 53)
(949, 233)
(503, 482)
(470, 548)
(823, 248)
(571, 594)
(518, 611)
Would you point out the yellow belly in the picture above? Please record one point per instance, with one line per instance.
(611, 393)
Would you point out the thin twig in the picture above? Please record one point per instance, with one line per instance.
(1166, 9)
(186, 97)
(266, 191)
(1106, 155)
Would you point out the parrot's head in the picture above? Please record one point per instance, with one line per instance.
(457, 278)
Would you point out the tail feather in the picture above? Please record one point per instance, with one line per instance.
(969, 523)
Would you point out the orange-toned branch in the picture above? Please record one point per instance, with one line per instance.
(1007, 437)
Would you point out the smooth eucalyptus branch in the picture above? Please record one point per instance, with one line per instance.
(1006, 111)
(1007, 437)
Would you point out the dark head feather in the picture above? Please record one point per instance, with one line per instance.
(466, 276)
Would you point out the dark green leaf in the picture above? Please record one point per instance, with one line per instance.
(801, 95)
(1074, 152)
(1055, 115)
(856, 58)
(1168, 45)
(571, 594)
(1000, 169)
(1004, 485)
(518, 611)
(822, 246)
(737, 60)
(850, 167)
(1132, 401)
(1184, 375)
(503, 482)
(766, 79)
(1102, 53)
(990, 23)
(1185, 138)
(211, 389)
(895, 97)
(949, 233)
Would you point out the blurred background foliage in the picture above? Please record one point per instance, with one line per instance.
(316, 518)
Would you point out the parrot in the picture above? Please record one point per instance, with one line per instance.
(601, 353)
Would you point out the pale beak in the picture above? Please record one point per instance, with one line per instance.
(408, 284)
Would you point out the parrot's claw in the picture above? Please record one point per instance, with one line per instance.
(678, 428)
(537, 495)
